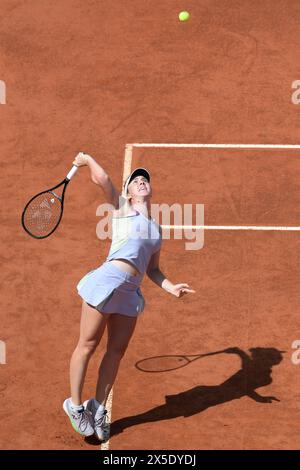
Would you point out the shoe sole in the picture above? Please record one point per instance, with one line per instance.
(73, 424)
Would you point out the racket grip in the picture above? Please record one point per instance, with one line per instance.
(72, 172)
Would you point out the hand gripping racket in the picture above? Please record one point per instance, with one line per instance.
(43, 213)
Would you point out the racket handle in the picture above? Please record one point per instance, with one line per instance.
(72, 172)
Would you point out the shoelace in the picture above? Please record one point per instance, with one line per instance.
(83, 419)
(101, 420)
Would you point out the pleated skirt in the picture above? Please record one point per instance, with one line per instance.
(111, 290)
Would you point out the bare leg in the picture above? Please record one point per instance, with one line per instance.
(92, 327)
(120, 330)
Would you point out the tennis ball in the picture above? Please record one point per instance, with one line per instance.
(183, 15)
(52, 200)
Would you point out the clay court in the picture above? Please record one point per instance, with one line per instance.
(209, 101)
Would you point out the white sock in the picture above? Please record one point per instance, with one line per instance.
(75, 407)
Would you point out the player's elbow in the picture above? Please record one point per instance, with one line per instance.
(151, 272)
(148, 272)
(102, 180)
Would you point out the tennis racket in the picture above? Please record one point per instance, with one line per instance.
(171, 362)
(43, 213)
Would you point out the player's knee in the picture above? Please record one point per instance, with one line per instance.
(87, 347)
(116, 350)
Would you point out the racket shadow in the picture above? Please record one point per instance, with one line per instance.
(166, 363)
(255, 372)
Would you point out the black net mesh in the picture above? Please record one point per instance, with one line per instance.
(42, 214)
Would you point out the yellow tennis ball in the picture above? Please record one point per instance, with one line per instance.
(183, 15)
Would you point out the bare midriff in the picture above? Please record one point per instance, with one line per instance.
(126, 266)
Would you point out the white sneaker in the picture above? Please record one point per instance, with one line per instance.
(99, 417)
(80, 420)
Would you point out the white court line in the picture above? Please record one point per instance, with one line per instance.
(220, 146)
(105, 445)
(230, 227)
(127, 162)
(126, 172)
(223, 146)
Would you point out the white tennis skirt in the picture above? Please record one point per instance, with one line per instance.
(111, 290)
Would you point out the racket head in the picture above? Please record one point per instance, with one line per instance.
(170, 362)
(162, 363)
(43, 212)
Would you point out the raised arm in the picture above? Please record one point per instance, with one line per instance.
(242, 354)
(99, 177)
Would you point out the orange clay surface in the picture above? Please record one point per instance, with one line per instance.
(92, 76)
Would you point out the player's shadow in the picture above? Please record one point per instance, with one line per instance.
(255, 372)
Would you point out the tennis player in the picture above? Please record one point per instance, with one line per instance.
(111, 293)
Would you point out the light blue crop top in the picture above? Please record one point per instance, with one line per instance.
(134, 238)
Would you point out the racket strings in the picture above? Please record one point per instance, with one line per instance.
(42, 214)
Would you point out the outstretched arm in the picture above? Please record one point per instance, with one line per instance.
(99, 177)
(154, 273)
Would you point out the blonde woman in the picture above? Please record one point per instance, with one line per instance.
(111, 293)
